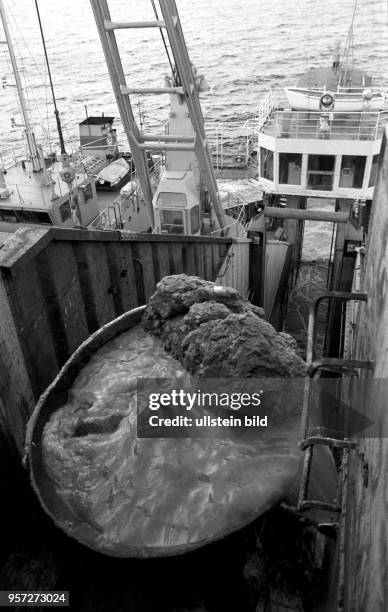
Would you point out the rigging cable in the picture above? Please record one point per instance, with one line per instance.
(56, 112)
(173, 69)
(28, 88)
(349, 45)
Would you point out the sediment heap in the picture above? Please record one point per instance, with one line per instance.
(214, 332)
(129, 495)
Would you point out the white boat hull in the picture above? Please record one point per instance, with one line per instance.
(304, 99)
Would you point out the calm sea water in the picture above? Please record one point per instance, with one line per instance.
(243, 48)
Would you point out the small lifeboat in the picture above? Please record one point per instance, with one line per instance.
(304, 99)
(114, 176)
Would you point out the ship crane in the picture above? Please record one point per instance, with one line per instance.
(189, 168)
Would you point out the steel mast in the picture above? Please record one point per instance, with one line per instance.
(56, 111)
(30, 137)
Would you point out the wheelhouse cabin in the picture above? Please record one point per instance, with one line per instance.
(332, 151)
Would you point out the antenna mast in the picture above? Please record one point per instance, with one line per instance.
(56, 111)
(30, 137)
(349, 46)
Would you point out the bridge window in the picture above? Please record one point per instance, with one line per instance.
(373, 171)
(25, 216)
(171, 221)
(87, 192)
(290, 167)
(352, 171)
(194, 219)
(65, 211)
(9, 216)
(266, 164)
(172, 199)
(320, 172)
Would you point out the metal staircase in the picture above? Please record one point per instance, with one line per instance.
(184, 83)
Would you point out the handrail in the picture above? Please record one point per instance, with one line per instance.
(338, 124)
(237, 221)
(102, 221)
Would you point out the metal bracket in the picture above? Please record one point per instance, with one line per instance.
(325, 441)
(340, 366)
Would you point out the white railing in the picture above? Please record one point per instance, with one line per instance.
(107, 219)
(231, 144)
(237, 227)
(366, 125)
(28, 195)
(12, 156)
(266, 107)
(374, 90)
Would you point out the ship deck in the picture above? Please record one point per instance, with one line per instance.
(33, 189)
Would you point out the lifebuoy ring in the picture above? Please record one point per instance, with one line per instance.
(326, 100)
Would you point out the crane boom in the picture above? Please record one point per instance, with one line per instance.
(187, 89)
(190, 90)
(116, 72)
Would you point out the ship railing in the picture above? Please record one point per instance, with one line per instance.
(231, 144)
(234, 271)
(238, 219)
(374, 89)
(107, 219)
(266, 107)
(11, 156)
(35, 196)
(366, 125)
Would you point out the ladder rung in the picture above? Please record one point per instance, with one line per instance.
(150, 90)
(167, 138)
(124, 25)
(314, 504)
(328, 529)
(166, 146)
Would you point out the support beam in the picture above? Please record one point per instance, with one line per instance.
(163, 146)
(305, 215)
(167, 138)
(128, 25)
(151, 90)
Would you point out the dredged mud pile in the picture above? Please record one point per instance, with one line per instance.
(213, 332)
(139, 496)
